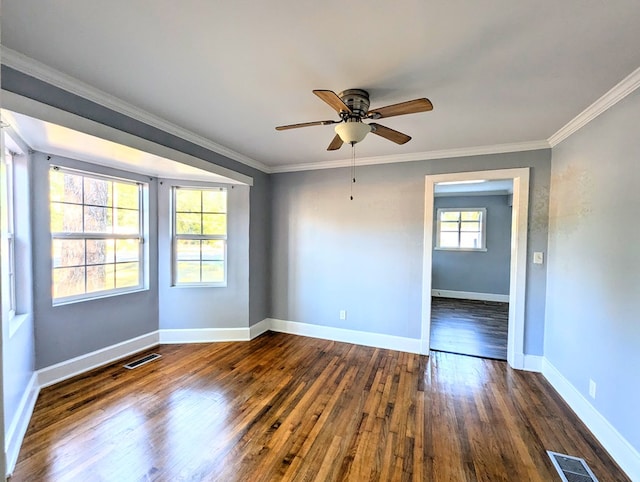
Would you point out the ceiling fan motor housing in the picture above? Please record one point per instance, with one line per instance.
(357, 100)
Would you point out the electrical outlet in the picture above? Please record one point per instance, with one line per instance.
(538, 257)
(592, 388)
(343, 314)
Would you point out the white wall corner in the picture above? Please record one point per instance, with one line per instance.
(259, 328)
(18, 426)
(377, 340)
(75, 366)
(203, 335)
(532, 363)
(625, 455)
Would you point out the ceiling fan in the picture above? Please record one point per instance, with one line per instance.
(352, 106)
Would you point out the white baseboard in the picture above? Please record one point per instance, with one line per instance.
(18, 426)
(618, 447)
(259, 328)
(469, 295)
(70, 368)
(203, 335)
(533, 363)
(378, 340)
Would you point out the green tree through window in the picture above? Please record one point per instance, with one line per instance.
(96, 230)
(200, 236)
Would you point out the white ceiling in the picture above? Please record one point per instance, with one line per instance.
(498, 72)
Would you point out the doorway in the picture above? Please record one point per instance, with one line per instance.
(517, 265)
(470, 268)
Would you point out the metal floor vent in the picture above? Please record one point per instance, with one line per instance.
(571, 469)
(142, 361)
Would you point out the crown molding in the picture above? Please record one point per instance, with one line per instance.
(47, 74)
(625, 87)
(418, 156)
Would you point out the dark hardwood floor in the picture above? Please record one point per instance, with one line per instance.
(283, 407)
(469, 327)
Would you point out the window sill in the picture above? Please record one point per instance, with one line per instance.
(200, 285)
(70, 301)
(481, 250)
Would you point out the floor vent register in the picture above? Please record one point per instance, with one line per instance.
(571, 469)
(142, 361)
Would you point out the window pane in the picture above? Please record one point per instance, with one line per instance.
(188, 250)
(470, 226)
(187, 223)
(448, 240)
(127, 275)
(213, 250)
(68, 282)
(100, 251)
(65, 187)
(188, 200)
(470, 240)
(449, 215)
(100, 278)
(97, 192)
(470, 215)
(214, 223)
(127, 221)
(213, 272)
(97, 219)
(68, 252)
(66, 218)
(126, 195)
(449, 227)
(214, 201)
(188, 272)
(127, 250)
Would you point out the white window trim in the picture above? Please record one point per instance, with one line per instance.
(9, 229)
(483, 224)
(141, 237)
(175, 237)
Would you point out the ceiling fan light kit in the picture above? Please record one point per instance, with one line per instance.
(352, 131)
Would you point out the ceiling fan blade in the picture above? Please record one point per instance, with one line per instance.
(306, 124)
(336, 144)
(395, 136)
(331, 98)
(409, 107)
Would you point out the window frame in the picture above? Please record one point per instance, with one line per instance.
(141, 236)
(482, 232)
(175, 237)
(9, 227)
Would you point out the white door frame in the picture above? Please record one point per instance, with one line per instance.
(518, 270)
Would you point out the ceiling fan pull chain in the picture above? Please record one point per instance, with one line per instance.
(353, 168)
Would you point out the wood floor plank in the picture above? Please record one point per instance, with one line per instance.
(470, 327)
(283, 407)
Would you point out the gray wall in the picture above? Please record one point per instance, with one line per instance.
(593, 294)
(260, 196)
(365, 256)
(71, 330)
(206, 307)
(476, 271)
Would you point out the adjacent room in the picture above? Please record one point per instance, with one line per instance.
(338, 241)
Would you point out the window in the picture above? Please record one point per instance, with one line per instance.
(8, 229)
(200, 236)
(461, 229)
(97, 235)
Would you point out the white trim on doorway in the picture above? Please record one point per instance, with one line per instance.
(517, 286)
